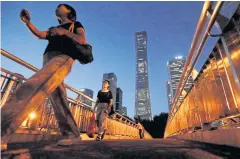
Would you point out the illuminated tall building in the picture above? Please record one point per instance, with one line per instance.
(175, 69)
(142, 96)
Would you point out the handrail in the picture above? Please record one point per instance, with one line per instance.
(213, 96)
(33, 68)
(18, 60)
(78, 92)
(210, 24)
(76, 101)
(11, 73)
(195, 41)
(124, 118)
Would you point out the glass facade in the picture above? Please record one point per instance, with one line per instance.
(142, 97)
(119, 100)
(175, 69)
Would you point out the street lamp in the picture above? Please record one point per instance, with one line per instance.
(32, 115)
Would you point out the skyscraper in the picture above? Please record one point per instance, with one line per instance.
(87, 92)
(113, 87)
(175, 69)
(119, 100)
(142, 96)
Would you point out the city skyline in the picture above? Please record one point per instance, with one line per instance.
(113, 48)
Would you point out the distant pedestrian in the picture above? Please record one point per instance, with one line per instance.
(141, 129)
(102, 108)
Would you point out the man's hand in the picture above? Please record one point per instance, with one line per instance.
(25, 16)
(57, 31)
(106, 111)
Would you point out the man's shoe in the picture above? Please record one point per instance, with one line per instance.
(69, 141)
(77, 140)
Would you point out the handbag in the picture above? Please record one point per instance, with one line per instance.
(82, 52)
(91, 126)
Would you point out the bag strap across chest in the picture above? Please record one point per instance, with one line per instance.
(71, 28)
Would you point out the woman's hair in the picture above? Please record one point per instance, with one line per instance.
(72, 15)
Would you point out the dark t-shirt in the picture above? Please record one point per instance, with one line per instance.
(62, 44)
(104, 97)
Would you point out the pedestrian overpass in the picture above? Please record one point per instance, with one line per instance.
(208, 113)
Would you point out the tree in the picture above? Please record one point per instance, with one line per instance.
(156, 127)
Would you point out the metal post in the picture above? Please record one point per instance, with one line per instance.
(2, 79)
(8, 90)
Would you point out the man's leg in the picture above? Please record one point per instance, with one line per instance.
(140, 133)
(33, 93)
(60, 104)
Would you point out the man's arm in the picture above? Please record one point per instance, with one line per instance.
(26, 19)
(36, 32)
(79, 37)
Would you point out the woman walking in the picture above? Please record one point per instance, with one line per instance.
(102, 108)
(58, 59)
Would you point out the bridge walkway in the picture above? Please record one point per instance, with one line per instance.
(137, 149)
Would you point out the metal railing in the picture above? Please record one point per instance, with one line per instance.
(215, 93)
(43, 118)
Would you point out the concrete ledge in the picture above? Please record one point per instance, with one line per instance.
(229, 137)
(35, 136)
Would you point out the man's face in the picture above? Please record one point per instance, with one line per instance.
(62, 10)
